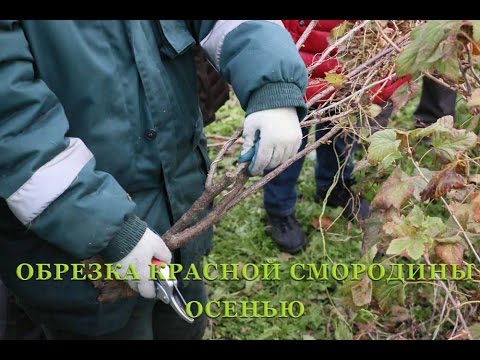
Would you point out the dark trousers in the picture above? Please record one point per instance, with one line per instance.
(279, 194)
(436, 101)
(152, 320)
(14, 322)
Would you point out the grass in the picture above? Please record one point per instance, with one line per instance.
(240, 238)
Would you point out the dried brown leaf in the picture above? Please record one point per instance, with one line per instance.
(362, 292)
(450, 253)
(398, 314)
(476, 207)
(372, 227)
(403, 95)
(447, 179)
(395, 191)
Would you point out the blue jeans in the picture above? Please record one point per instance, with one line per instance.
(280, 195)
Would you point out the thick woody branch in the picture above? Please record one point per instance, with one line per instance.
(174, 241)
(201, 203)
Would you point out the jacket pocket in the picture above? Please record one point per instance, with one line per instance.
(175, 38)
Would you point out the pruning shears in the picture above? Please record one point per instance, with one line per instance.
(167, 291)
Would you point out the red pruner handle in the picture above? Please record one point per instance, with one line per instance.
(157, 262)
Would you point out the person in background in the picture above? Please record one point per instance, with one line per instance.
(280, 195)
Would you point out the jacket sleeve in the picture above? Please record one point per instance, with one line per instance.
(258, 58)
(47, 179)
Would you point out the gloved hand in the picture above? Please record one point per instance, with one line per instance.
(150, 245)
(271, 137)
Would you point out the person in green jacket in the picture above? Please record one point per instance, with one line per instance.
(102, 149)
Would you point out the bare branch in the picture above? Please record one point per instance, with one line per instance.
(306, 33)
(385, 37)
(332, 47)
(202, 203)
(176, 240)
(452, 300)
(319, 119)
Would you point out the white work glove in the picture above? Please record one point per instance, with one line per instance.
(271, 137)
(150, 246)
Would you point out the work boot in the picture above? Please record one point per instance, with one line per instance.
(342, 195)
(287, 233)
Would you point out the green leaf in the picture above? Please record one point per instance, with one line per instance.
(334, 79)
(389, 293)
(446, 140)
(447, 62)
(339, 30)
(448, 144)
(415, 217)
(433, 46)
(411, 247)
(405, 63)
(443, 124)
(373, 110)
(269, 333)
(434, 226)
(475, 331)
(413, 234)
(383, 148)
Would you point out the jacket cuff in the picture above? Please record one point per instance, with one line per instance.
(277, 95)
(125, 240)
